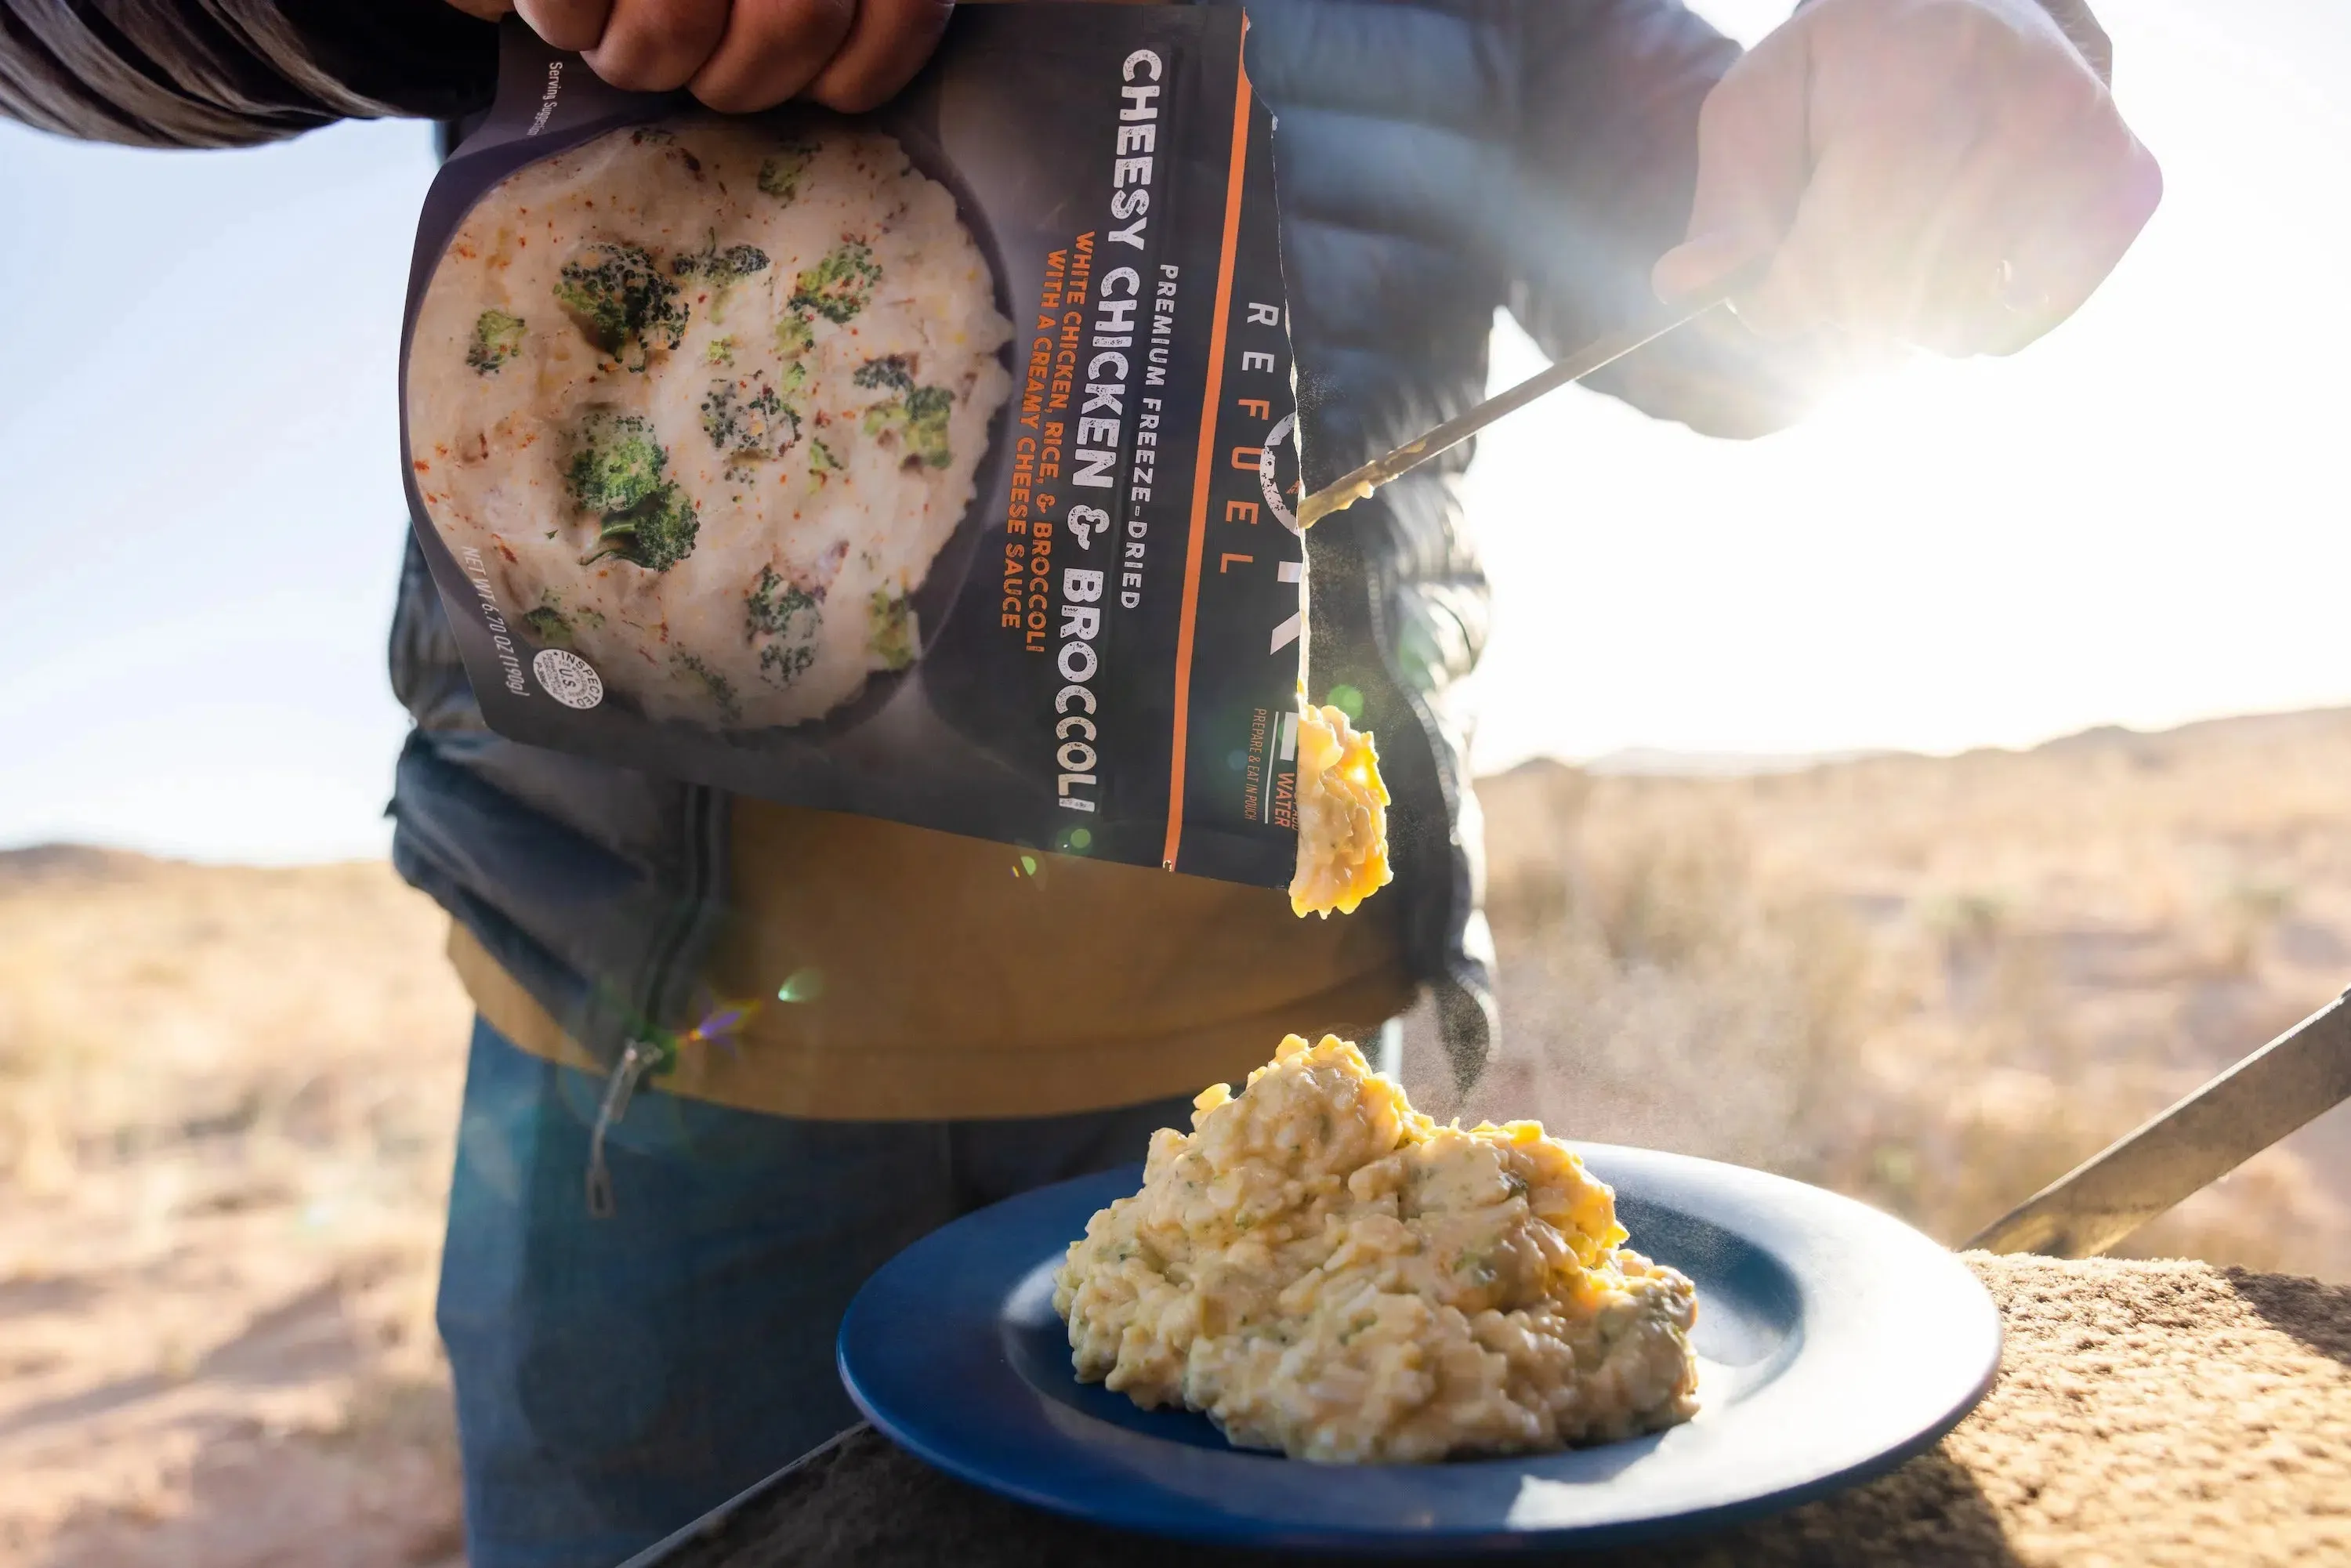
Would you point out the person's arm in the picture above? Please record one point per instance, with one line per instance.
(235, 73)
(1952, 174)
(1607, 152)
(231, 73)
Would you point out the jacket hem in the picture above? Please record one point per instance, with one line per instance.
(887, 1083)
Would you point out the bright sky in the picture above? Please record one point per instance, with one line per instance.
(2140, 521)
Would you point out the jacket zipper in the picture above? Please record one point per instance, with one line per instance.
(664, 982)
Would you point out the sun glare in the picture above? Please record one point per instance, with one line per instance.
(2136, 521)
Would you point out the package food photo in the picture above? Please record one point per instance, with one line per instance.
(936, 465)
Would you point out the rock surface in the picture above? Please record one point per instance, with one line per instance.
(2146, 1413)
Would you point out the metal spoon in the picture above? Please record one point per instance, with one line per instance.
(1358, 483)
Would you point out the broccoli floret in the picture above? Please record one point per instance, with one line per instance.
(722, 420)
(618, 472)
(784, 663)
(721, 690)
(895, 372)
(794, 337)
(761, 424)
(885, 419)
(891, 620)
(780, 176)
(549, 625)
(720, 352)
(656, 535)
(498, 337)
(1477, 1267)
(840, 286)
(927, 409)
(620, 298)
(773, 602)
(793, 616)
(552, 624)
(721, 269)
(616, 463)
(920, 419)
(731, 264)
(768, 405)
(820, 458)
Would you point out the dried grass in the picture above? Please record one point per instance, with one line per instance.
(1936, 984)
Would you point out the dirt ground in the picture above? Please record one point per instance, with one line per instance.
(226, 1094)
(226, 1101)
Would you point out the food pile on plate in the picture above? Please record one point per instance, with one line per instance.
(1323, 1269)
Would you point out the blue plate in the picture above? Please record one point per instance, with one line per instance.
(1834, 1342)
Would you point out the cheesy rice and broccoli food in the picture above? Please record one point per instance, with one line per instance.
(1323, 1269)
(1343, 815)
(708, 399)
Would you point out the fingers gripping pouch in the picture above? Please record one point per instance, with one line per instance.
(936, 465)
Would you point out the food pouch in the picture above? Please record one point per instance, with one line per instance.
(936, 463)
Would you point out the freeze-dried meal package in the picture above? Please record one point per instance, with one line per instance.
(937, 464)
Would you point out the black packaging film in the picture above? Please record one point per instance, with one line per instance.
(932, 464)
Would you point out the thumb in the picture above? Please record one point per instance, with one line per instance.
(1753, 158)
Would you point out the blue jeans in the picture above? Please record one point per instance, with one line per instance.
(617, 1378)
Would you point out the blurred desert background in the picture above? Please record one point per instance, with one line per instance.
(227, 1094)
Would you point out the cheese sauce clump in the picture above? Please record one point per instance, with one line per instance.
(1323, 1269)
(1343, 816)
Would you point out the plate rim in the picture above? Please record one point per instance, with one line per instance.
(1209, 1526)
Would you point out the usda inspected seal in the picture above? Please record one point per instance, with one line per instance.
(568, 678)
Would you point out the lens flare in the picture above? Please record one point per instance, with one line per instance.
(718, 1026)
